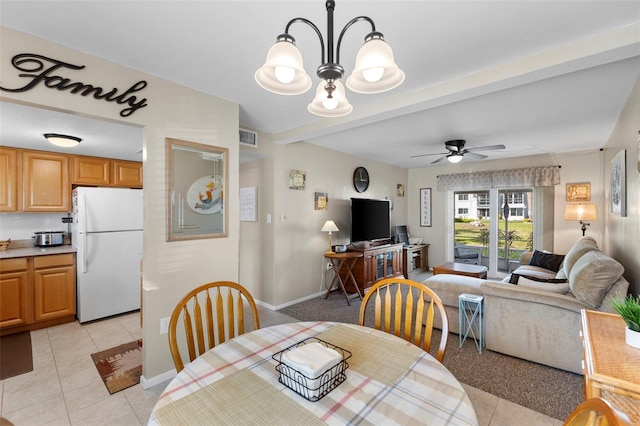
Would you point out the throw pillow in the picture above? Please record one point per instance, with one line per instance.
(516, 279)
(559, 288)
(592, 277)
(548, 261)
(583, 245)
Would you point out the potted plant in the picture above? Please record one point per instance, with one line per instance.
(629, 310)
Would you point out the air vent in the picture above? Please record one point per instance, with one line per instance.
(248, 138)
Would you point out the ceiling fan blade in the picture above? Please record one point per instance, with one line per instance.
(485, 148)
(475, 156)
(428, 155)
(439, 159)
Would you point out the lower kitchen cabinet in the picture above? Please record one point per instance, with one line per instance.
(54, 283)
(14, 289)
(37, 292)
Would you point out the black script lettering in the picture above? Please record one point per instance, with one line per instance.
(34, 67)
(32, 63)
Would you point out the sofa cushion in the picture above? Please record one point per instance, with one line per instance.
(582, 246)
(554, 287)
(448, 287)
(517, 279)
(534, 271)
(549, 261)
(592, 276)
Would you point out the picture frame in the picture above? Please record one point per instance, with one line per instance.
(618, 183)
(400, 190)
(425, 207)
(578, 192)
(297, 179)
(197, 175)
(248, 204)
(321, 201)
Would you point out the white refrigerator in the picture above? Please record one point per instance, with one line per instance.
(107, 234)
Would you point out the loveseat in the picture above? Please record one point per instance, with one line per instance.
(537, 316)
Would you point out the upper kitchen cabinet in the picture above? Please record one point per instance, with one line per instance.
(9, 176)
(127, 174)
(46, 183)
(106, 172)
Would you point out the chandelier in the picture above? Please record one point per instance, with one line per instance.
(375, 69)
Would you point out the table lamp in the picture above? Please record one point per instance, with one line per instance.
(329, 226)
(580, 212)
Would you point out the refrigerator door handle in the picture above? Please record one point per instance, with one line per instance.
(83, 231)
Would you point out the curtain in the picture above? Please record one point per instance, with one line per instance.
(510, 178)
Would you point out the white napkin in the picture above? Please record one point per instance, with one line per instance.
(311, 359)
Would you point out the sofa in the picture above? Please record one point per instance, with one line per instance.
(534, 313)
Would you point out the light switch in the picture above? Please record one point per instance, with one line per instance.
(283, 218)
(268, 217)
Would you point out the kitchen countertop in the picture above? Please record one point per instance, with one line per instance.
(36, 251)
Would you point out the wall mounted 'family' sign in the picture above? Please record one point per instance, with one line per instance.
(39, 69)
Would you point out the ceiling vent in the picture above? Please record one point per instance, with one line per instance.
(248, 138)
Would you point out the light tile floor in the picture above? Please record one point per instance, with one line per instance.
(64, 387)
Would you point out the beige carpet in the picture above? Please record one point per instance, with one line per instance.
(120, 367)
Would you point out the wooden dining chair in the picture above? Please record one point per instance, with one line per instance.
(406, 308)
(210, 315)
(597, 412)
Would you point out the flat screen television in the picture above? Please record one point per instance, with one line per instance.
(370, 220)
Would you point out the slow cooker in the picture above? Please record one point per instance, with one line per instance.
(48, 238)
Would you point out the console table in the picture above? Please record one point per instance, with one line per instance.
(418, 252)
(376, 263)
(610, 365)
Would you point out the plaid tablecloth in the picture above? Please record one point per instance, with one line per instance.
(389, 381)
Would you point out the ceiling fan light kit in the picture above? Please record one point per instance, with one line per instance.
(375, 69)
(456, 151)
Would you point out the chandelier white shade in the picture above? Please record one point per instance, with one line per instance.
(336, 106)
(283, 71)
(375, 68)
(64, 141)
(454, 157)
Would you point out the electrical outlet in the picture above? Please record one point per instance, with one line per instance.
(164, 325)
(329, 265)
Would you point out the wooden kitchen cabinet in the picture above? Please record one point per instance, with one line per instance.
(106, 172)
(37, 292)
(14, 292)
(46, 186)
(90, 171)
(9, 179)
(127, 173)
(54, 282)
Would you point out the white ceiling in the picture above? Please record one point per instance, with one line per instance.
(536, 76)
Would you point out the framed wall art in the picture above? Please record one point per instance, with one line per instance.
(248, 204)
(619, 184)
(297, 179)
(196, 179)
(321, 201)
(578, 192)
(425, 206)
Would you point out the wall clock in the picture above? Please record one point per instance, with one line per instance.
(360, 179)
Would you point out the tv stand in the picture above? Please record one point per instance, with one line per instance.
(377, 262)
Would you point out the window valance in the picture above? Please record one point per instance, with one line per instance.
(510, 178)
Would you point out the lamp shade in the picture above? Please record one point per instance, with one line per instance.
(329, 226)
(337, 106)
(283, 71)
(64, 141)
(580, 212)
(375, 70)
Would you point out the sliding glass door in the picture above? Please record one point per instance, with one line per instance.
(493, 227)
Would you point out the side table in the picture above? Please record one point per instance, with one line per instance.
(347, 261)
(471, 319)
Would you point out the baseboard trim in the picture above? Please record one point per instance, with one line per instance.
(303, 299)
(156, 380)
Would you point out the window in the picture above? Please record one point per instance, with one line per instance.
(463, 211)
(463, 197)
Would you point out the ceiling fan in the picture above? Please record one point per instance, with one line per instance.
(456, 151)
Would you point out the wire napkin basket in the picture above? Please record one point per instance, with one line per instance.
(312, 388)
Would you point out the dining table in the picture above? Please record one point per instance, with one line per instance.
(388, 381)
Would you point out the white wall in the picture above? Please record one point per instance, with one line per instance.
(21, 226)
(170, 269)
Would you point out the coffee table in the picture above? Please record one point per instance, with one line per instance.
(465, 269)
